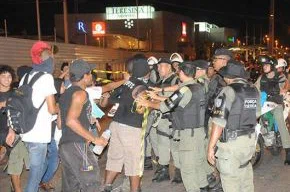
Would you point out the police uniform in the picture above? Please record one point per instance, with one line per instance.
(165, 141)
(204, 81)
(151, 135)
(188, 111)
(235, 110)
(272, 89)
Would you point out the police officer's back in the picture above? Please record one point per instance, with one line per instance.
(234, 119)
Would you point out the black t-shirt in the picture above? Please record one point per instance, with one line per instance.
(124, 96)
(68, 135)
(3, 118)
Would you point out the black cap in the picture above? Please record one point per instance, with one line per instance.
(164, 60)
(79, 67)
(188, 65)
(223, 51)
(234, 69)
(140, 67)
(201, 64)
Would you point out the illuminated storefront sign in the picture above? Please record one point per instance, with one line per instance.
(81, 27)
(120, 13)
(204, 26)
(98, 28)
(129, 23)
(183, 25)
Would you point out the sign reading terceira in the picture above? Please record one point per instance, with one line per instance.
(121, 13)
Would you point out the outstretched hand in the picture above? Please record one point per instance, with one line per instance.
(155, 89)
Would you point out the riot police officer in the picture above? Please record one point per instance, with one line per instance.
(188, 111)
(233, 130)
(220, 59)
(176, 59)
(151, 135)
(165, 142)
(269, 83)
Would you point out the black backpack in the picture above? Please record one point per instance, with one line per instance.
(20, 110)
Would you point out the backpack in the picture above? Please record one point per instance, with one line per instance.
(20, 110)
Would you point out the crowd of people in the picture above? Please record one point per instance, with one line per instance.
(202, 114)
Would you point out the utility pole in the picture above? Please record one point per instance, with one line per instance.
(271, 26)
(247, 33)
(76, 6)
(254, 38)
(5, 28)
(38, 20)
(137, 4)
(261, 35)
(65, 24)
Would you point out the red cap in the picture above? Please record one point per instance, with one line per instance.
(36, 51)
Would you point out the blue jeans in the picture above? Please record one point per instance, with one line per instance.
(52, 161)
(37, 155)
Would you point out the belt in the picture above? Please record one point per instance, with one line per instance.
(164, 134)
(166, 116)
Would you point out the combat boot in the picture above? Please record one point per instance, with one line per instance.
(161, 174)
(217, 188)
(107, 188)
(204, 189)
(212, 180)
(148, 163)
(177, 176)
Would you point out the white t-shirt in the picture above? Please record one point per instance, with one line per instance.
(94, 92)
(43, 87)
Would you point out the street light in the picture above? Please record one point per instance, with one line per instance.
(239, 43)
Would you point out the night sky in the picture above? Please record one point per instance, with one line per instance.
(21, 14)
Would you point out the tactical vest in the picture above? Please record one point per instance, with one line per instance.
(172, 80)
(242, 115)
(154, 76)
(214, 87)
(192, 115)
(271, 87)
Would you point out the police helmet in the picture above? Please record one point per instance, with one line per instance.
(175, 57)
(152, 60)
(267, 60)
(281, 63)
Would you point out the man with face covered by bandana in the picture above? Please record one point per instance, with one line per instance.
(39, 136)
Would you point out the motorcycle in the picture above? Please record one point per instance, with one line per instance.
(268, 135)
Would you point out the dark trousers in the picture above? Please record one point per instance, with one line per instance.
(80, 169)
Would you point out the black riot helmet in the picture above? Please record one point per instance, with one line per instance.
(265, 59)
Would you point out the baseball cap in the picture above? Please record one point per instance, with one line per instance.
(223, 51)
(36, 50)
(79, 67)
(187, 65)
(234, 69)
(201, 64)
(164, 60)
(175, 57)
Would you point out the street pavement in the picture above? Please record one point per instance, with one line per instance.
(270, 176)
